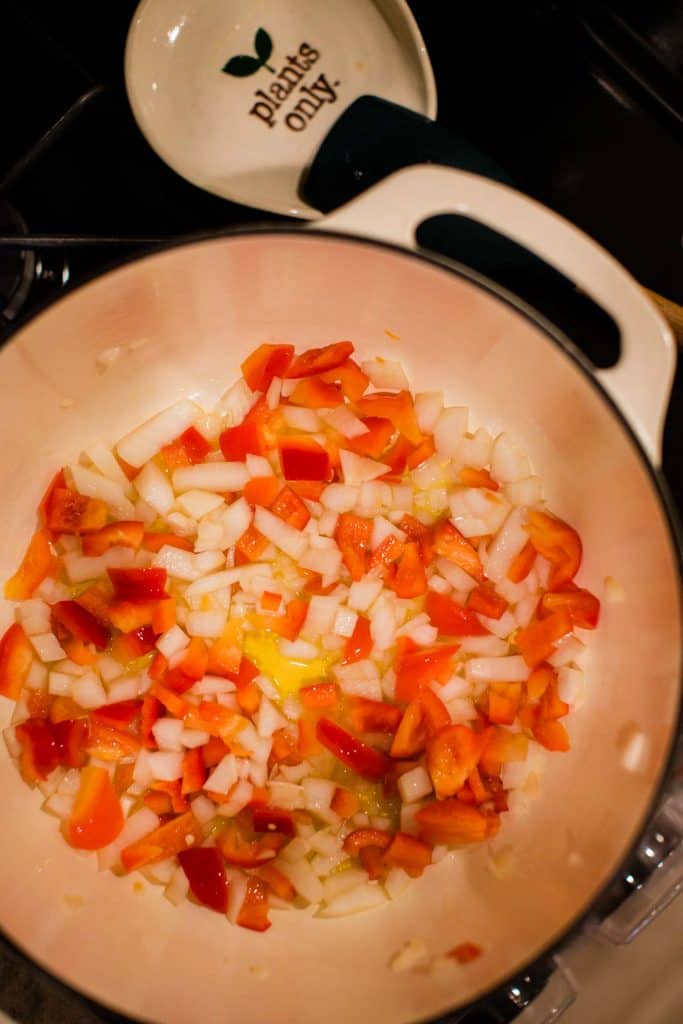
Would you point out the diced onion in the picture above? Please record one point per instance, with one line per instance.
(210, 476)
(236, 402)
(345, 422)
(138, 825)
(198, 503)
(94, 485)
(414, 785)
(239, 797)
(528, 491)
(155, 489)
(166, 765)
(303, 878)
(428, 408)
(281, 534)
(386, 374)
(206, 624)
(167, 732)
(506, 545)
(306, 420)
(223, 776)
(357, 469)
(339, 497)
(508, 462)
(320, 615)
(449, 430)
(363, 593)
(510, 669)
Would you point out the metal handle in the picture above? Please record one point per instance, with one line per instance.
(641, 381)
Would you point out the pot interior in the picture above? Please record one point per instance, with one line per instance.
(184, 320)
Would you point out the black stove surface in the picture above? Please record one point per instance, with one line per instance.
(581, 105)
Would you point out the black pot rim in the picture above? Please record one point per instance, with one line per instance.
(657, 481)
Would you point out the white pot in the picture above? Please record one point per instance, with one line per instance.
(184, 319)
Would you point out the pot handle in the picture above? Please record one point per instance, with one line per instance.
(640, 383)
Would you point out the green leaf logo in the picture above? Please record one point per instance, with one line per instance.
(244, 65)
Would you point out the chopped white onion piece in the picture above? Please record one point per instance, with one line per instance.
(211, 476)
(273, 393)
(568, 649)
(570, 686)
(141, 444)
(396, 883)
(281, 534)
(203, 809)
(199, 503)
(485, 646)
(303, 878)
(206, 624)
(47, 647)
(357, 469)
(320, 616)
(345, 422)
(138, 825)
(35, 616)
(508, 462)
(166, 765)
(414, 785)
(428, 408)
(239, 797)
(236, 402)
(364, 592)
(237, 890)
(457, 577)
(286, 795)
(155, 489)
(172, 641)
(167, 732)
(60, 683)
(528, 491)
(223, 776)
(510, 669)
(345, 622)
(343, 881)
(386, 374)
(306, 420)
(363, 897)
(94, 485)
(449, 430)
(88, 691)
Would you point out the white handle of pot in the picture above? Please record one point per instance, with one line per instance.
(641, 381)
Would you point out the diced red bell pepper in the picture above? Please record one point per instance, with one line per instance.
(583, 607)
(302, 458)
(97, 816)
(558, 542)
(39, 749)
(164, 615)
(484, 600)
(165, 841)
(311, 490)
(205, 871)
(397, 457)
(244, 851)
(552, 735)
(319, 696)
(123, 776)
(435, 710)
(16, 655)
(451, 619)
(173, 790)
(249, 437)
(450, 544)
(417, 669)
(411, 734)
(289, 625)
(314, 393)
(173, 703)
(252, 544)
(374, 715)
(288, 506)
(187, 449)
(471, 477)
(157, 669)
(262, 490)
(344, 803)
(156, 541)
(71, 737)
(421, 453)
(539, 679)
(409, 578)
(118, 715)
(372, 860)
(500, 746)
(158, 802)
(58, 482)
(320, 360)
(452, 754)
(465, 953)
(362, 837)
(373, 443)
(254, 910)
(70, 512)
(78, 652)
(350, 377)
(131, 616)
(80, 623)
(214, 751)
(397, 408)
(63, 708)
(279, 883)
(366, 761)
(408, 853)
(194, 771)
(537, 641)
(417, 531)
(270, 601)
(125, 534)
(37, 563)
(551, 706)
(359, 644)
(353, 536)
(273, 819)
(266, 362)
(139, 584)
(39, 703)
(285, 749)
(503, 702)
(128, 647)
(522, 563)
(109, 743)
(452, 822)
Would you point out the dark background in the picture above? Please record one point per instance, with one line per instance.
(581, 105)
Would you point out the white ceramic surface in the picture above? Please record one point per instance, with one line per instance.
(185, 319)
(249, 138)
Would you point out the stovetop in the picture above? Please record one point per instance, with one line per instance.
(581, 105)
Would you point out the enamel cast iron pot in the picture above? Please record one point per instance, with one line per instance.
(184, 319)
